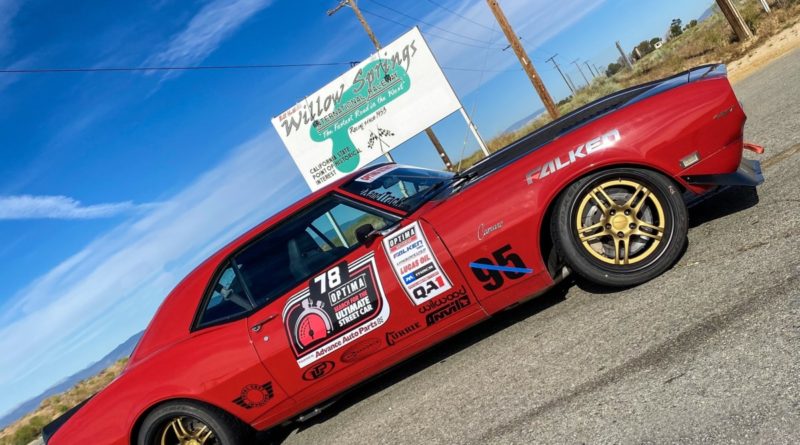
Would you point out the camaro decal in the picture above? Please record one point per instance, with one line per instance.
(415, 265)
(599, 143)
(339, 306)
(253, 396)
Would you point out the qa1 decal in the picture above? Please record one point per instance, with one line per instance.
(415, 265)
(374, 87)
(599, 143)
(339, 306)
(253, 396)
(504, 263)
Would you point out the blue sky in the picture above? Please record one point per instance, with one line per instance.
(114, 185)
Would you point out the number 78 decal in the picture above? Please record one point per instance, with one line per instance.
(506, 263)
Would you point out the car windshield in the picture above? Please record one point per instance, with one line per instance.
(399, 186)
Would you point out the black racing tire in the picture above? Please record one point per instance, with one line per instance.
(226, 429)
(583, 210)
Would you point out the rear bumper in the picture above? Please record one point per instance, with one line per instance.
(748, 174)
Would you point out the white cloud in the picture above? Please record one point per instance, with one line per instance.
(111, 288)
(57, 207)
(215, 22)
(536, 21)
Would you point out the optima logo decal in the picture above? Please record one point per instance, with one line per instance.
(596, 144)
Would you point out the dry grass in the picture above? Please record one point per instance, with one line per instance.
(711, 41)
(29, 427)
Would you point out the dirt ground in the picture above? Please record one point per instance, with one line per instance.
(776, 47)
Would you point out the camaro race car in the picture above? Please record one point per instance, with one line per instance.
(388, 261)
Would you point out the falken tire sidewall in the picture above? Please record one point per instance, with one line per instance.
(570, 248)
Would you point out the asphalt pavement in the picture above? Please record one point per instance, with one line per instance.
(707, 353)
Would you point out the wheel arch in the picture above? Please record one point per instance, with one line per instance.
(137, 425)
(546, 242)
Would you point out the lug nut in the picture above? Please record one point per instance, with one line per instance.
(608, 226)
(627, 212)
(621, 235)
(612, 212)
(632, 226)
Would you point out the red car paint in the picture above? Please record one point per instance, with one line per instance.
(499, 216)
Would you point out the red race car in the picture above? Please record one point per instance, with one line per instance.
(387, 262)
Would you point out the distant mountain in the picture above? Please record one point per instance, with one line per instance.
(121, 351)
(708, 13)
(521, 123)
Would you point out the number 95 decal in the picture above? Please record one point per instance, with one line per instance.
(503, 264)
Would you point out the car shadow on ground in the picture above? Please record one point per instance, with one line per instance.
(436, 354)
(717, 204)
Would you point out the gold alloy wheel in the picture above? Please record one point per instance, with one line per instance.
(620, 222)
(186, 431)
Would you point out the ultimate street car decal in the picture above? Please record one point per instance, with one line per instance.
(340, 305)
(415, 264)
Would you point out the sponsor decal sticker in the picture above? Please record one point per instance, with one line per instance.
(504, 264)
(447, 310)
(253, 396)
(372, 175)
(599, 143)
(361, 350)
(415, 265)
(319, 370)
(392, 337)
(339, 306)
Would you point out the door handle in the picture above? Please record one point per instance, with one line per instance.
(257, 326)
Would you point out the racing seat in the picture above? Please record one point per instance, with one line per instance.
(307, 257)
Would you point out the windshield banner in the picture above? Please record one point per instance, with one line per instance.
(382, 102)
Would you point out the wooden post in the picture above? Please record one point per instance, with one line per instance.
(735, 19)
(431, 135)
(524, 60)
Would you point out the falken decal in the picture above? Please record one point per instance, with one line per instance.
(339, 306)
(415, 265)
(253, 396)
(599, 143)
(361, 350)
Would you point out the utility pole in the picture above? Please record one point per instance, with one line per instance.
(598, 70)
(526, 62)
(575, 62)
(431, 135)
(735, 19)
(590, 69)
(766, 6)
(624, 56)
(569, 85)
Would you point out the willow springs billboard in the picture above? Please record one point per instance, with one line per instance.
(382, 102)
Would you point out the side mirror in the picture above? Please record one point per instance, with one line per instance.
(365, 234)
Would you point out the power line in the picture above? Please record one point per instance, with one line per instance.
(122, 69)
(167, 68)
(376, 15)
(460, 15)
(415, 19)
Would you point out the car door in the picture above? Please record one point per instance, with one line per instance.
(332, 308)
